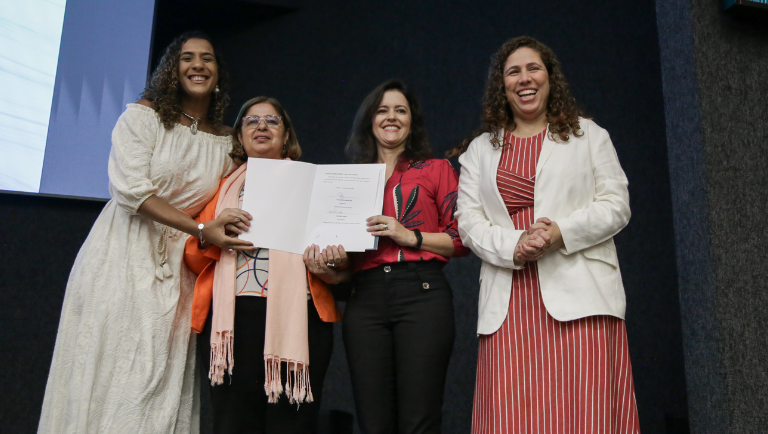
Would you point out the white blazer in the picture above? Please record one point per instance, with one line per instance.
(581, 186)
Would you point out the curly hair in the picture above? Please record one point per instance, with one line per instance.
(562, 111)
(361, 146)
(164, 89)
(291, 148)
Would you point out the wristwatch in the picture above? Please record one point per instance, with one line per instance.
(200, 235)
(419, 239)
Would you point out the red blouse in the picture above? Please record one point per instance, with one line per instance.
(421, 196)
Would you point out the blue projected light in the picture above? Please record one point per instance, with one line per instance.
(56, 125)
(745, 5)
(30, 32)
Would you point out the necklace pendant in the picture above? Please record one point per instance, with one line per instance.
(194, 122)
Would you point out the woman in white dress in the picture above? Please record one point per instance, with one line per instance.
(125, 356)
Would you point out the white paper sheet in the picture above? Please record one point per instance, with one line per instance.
(296, 204)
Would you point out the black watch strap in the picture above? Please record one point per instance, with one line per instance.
(419, 239)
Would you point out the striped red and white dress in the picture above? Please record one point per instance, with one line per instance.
(537, 374)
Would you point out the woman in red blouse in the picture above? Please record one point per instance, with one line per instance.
(398, 325)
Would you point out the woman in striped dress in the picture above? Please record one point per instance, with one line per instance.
(541, 195)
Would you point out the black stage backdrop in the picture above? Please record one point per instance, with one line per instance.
(716, 100)
(320, 59)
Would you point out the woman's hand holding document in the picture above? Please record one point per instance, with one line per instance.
(297, 204)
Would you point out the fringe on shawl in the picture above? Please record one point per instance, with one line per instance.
(297, 387)
(221, 357)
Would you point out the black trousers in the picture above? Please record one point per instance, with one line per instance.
(398, 333)
(240, 404)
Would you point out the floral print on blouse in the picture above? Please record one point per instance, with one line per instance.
(421, 196)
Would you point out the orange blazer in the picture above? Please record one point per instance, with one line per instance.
(203, 261)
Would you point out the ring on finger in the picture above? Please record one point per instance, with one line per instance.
(317, 264)
(330, 264)
(386, 228)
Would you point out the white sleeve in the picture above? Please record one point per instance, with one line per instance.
(133, 143)
(491, 243)
(609, 211)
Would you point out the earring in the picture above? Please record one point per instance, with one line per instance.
(216, 89)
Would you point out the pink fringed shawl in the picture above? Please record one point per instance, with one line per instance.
(286, 324)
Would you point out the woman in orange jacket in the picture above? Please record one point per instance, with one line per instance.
(276, 340)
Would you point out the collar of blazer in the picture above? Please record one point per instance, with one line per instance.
(498, 207)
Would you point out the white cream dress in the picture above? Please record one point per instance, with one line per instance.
(124, 360)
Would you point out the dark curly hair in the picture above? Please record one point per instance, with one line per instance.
(562, 111)
(164, 89)
(361, 146)
(291, 149)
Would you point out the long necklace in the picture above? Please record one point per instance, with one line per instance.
(194, 122)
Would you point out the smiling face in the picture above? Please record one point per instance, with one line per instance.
(259, 139)
(198, 71)
(392, 120)
(526, 84)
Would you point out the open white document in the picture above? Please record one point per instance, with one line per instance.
(297, 204)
